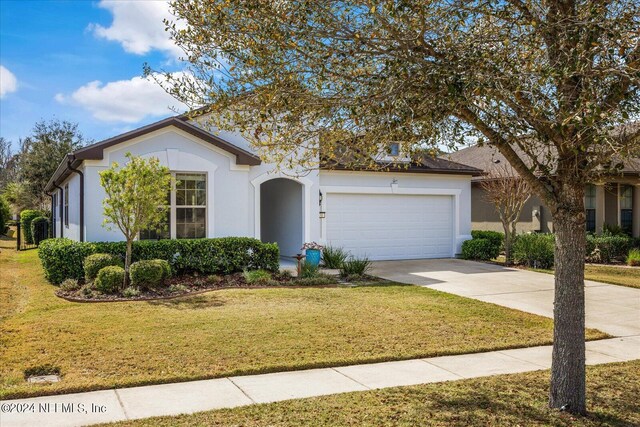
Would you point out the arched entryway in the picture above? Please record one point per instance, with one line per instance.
(282, 214)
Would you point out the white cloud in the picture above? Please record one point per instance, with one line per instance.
(138, 26)
(125, 101)
(8, 82)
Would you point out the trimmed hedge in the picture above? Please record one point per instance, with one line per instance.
(479, 249)
(63, 258)
(96, 262)
(34, 226)
(149, 273)
(109, 279)
(608, 248)
(5, 215)
(534, 250)
(496, 238)
(26, 217)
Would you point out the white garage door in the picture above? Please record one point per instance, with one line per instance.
(390, 226)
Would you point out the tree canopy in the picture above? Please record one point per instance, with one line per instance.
(136, 198)
(554, 85)
(41, 153)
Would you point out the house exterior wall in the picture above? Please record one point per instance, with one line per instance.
(228, 190)
(72, 231)
(458, 186)
(611, 204)
(484, 216)
(234, 192)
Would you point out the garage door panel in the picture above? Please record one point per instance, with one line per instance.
(389, 226)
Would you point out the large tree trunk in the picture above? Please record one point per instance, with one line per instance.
(568, 388)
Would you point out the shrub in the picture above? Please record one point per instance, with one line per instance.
(607, 247)
(130, 292)
(479, 249)
(257, 276)
(355, 267)
(109, 279)
(534, 250)
(496, 238)
(87, 290)
(5, 215)
(149, 273)
(333, 257)
(214, 279)
(63, 258)
(96, 262)
(308, 270)
(35, 225)
(633, 259)
(69, 285)
(26, 217)
(285, 275)
(315, 281)
(178, 288)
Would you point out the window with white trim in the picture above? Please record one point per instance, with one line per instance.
(187, 213)
(590, 207)
(66, 205)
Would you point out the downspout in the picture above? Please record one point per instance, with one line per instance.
(53, 226)
(60, 210)
(72, 169)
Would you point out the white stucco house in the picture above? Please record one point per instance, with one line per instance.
(419, 211)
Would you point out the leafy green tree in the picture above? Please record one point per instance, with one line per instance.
(136, 196)
(41, 153)
(8, 164)
(550, 84)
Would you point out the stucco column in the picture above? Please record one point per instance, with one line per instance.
(636, 210)
(599, 207)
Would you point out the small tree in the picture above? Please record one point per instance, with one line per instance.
(508, 193)
(136, 196)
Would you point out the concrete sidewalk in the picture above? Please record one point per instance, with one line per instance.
(182, 398)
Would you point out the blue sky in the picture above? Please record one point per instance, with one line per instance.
(82, 61)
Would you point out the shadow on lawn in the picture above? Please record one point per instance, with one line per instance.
(197, 302)
(485, 399)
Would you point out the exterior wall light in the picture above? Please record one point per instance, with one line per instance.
(323, 214)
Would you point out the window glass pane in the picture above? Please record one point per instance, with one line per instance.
(590, 197)
(192, 190)
(190, 223)
(626, 197)
(591, 220)
(160, 231)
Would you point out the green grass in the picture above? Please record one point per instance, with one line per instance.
(615, 275)
(230, 332)
(622, 276)
(505, 400)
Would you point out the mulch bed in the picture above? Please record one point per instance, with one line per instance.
(186, 285)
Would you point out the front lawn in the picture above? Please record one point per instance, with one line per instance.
(504, 400)
(230, 332)
(615, 275)
(623, 276)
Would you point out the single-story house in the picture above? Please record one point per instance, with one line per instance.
(420, 210)
(615, 202)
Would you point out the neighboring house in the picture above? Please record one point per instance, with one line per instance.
(421, 211)
(615, 202)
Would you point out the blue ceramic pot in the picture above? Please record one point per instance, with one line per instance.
(313, 256)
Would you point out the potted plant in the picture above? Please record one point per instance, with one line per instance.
(312, 252)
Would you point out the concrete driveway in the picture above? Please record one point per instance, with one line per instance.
(612, 309)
